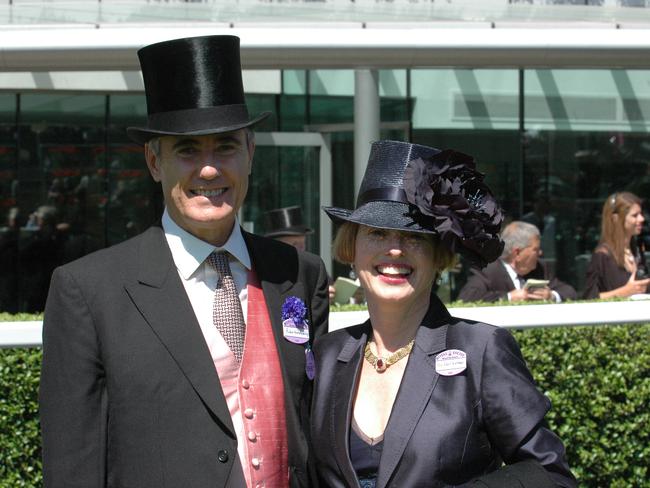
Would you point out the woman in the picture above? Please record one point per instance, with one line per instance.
(415, 397)
(617, 267)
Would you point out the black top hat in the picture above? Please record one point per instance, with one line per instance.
(416, 188)
(193, 87)
(285, 221)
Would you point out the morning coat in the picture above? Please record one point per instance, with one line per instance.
(130, 397)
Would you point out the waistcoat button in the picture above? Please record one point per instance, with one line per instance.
(248, 413)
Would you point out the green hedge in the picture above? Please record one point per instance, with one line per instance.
(598, 379)
(20, 444)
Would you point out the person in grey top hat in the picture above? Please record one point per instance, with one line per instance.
(286, 225)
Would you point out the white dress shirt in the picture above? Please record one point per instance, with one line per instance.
(199, 278)
(515, 280)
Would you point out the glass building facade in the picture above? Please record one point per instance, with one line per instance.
(552, 143)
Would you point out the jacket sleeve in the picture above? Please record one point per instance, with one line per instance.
(320, 302)
(528, 474)
(72, 395)
(514, 410)
(478, 288)
(566, 291)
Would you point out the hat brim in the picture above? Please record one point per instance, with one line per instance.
(290, 231)
(142, 135)
(381, 214)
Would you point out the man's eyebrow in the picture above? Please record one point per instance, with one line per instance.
(186, 141)
(227, 139)
(220, 139)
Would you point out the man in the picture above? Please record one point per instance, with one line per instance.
(166, 362)
(286, 225)
(504, 279)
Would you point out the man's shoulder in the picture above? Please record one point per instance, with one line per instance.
(493, 269)
(117, 255)
(282, 252)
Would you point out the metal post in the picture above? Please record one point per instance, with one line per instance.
(366, 119)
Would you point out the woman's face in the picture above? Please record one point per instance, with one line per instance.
(634, 220)
(394, 266)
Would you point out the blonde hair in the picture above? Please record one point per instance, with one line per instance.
(612, 230)
(344, 245)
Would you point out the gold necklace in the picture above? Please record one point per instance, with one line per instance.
(381, 364)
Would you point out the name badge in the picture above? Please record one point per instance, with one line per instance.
(451, 362)
(296, 333)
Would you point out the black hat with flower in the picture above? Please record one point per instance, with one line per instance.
(416, 188)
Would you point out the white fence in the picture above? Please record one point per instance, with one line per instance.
(28, 334)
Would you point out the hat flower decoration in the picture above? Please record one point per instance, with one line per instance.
(448, 193)
(415, 188)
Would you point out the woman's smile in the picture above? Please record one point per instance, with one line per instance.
(394, 273)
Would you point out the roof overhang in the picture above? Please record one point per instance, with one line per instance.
(86, 47)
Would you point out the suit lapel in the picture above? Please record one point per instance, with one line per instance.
(348, 365)
(162, 300)
(504, 278)
(417, 387)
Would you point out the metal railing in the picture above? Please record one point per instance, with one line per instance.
(28, 334)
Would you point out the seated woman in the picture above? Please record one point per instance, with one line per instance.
(617, 267)
(414, 397)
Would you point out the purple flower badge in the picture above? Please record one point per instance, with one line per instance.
(295, 328)
(294, 323)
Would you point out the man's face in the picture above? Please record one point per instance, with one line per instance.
(526, 259)
(204, 180)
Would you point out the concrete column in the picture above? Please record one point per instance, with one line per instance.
(366, 119)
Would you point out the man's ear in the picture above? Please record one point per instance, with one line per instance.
(153, 162)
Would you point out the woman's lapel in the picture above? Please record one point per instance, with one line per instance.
(348, 364)
(417, 387)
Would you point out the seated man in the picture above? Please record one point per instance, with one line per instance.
(504, 279)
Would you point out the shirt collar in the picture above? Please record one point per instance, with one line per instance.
(189, 252)
(510, 270)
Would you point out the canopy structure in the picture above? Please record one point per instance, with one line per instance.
(104, 35)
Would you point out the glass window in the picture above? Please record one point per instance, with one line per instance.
(12, 218)
(587, 137)
(61, 186)
(475, 112)
(283, 177)
(134, 200)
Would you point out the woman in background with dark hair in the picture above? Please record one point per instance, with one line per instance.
(617, 267)
(414, 397)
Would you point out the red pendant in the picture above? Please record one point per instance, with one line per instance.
(380, 365)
